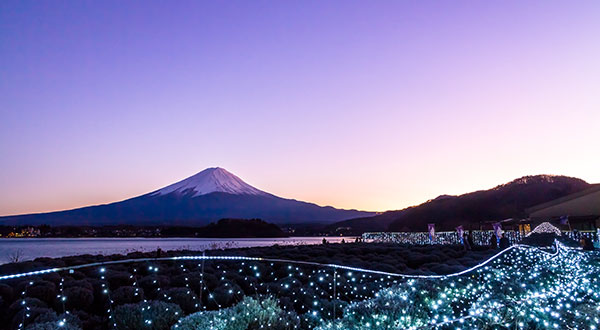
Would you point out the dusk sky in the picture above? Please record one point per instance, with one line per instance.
(373, 105)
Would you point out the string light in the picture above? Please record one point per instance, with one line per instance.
(25, 308)
(480, 237)
(545, 228)
(518, 287)
(524, 289)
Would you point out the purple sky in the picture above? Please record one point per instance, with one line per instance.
(356, 104)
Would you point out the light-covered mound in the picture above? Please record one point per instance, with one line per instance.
(249, 314)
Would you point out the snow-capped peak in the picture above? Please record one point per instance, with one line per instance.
(214, 179)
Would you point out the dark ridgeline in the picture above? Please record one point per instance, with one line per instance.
(229, 228)
(502, 202)
(224, 228)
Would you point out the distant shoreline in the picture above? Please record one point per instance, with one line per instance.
(347, 238)
(24, 249)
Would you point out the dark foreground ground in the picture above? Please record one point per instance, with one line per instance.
(182, 285)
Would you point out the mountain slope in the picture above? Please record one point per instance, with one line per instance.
(447, 212)
(208, 196)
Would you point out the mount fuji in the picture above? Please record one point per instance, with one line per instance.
(205, 197)
(211, 180)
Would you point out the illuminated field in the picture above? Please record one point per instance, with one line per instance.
(521, 287)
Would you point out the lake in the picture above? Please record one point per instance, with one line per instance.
(31, 248)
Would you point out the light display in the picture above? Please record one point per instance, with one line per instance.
(545, 228)
(525, 289)
(521, 287)
(480, 237)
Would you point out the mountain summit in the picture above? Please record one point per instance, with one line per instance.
(214, 179)
(203, 198)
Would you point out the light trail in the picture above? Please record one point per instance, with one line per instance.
(558, 246)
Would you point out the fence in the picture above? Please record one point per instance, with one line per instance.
(480, 237)
(578, 235)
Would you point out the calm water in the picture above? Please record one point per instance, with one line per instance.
(31, 248)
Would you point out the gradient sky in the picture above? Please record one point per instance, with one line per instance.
(373, 105)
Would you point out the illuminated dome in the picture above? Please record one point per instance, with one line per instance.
(545, 228)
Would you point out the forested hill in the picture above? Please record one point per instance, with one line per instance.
(446, 211)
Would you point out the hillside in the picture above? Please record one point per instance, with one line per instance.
(501, 202)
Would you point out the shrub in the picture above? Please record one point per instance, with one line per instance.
(6, 292)
(43, 290)
(50, 320)
(154, 315)
(47, 317)
(27, 316)
(127, 295)
(226, 294)
(388, 310)
(443, 269)
(152, 283)
(249, 314)
(184, 297)
(210, 280)
(193, 280)
(18, 305)
(416, 259)
(52, 326)
(539, 239)
(89, 320)
(77, 275)
(78, 283)
(52, 277)
(78, 298)
(117, 279)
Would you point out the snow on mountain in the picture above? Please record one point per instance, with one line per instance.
(214, 179)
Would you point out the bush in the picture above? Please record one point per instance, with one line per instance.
(127, 295)
(18, 305)
(152, 283)
(43, 290)
(540, 239)
(184, 297)
(193, 280)
(50, 321)
(225, 295)
(117, 278)
(416, 259)
(27, 316)
(89, 320)
(6, 292)
(52, 277)
(78, 283)
(52, 326)
(154, 315)
(249, 314)
(443, 269)
(78, 298)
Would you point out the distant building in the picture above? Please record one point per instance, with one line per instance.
(582, 210)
